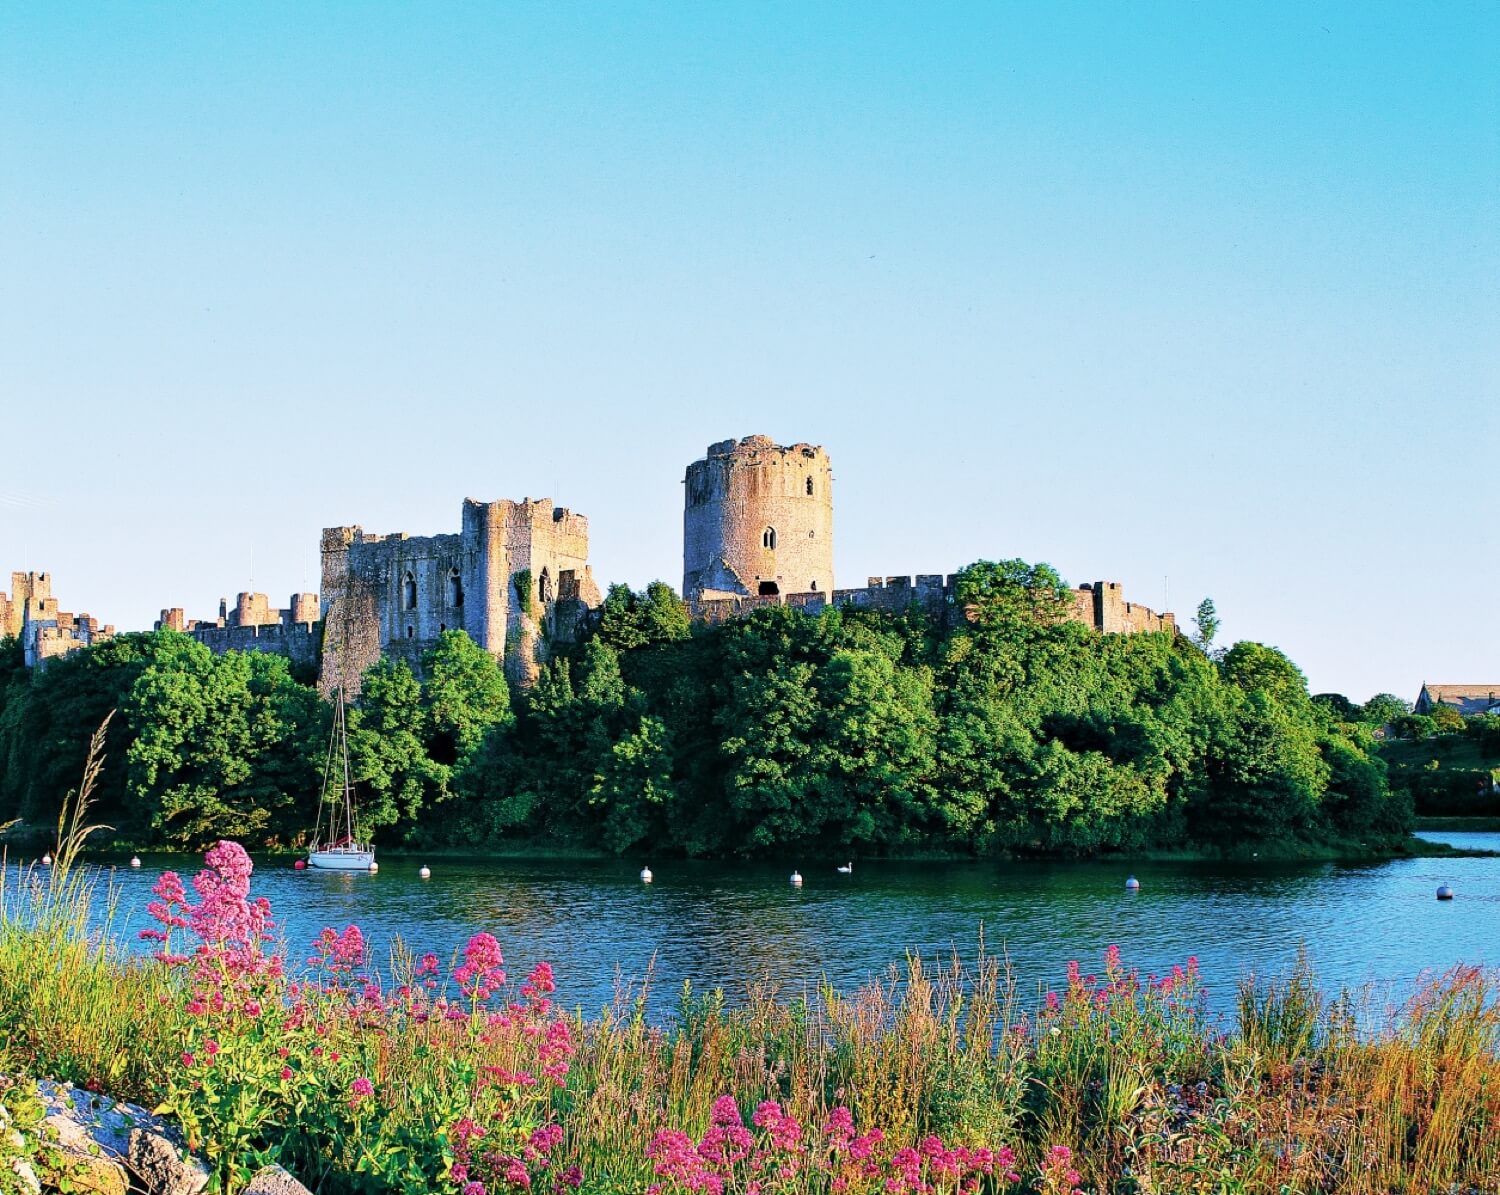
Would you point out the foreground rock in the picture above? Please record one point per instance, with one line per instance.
(95, 1144)
(111, 1147)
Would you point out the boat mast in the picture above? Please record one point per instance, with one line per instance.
(344, 748)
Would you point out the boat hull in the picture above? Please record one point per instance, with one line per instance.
(342, 859)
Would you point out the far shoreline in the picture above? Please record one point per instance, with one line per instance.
(1416, 846)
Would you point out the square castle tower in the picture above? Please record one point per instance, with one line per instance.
(514, 577)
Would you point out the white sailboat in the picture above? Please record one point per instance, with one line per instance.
(340, 849)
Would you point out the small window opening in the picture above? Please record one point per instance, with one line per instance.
(768, 538)
(544, 586)
(768, 589)
(455, 588)
(442, 626)
(813, 587)
(410, 631)
(409, 592)
(809, 487)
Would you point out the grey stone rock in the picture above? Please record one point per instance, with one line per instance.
(85, 1172)
(162, 1168)
(273, 1180)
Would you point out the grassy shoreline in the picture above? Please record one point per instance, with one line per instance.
(422, 1074)
(1273, 851)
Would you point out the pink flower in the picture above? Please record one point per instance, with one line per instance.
(361, 1088)
(187, 1059)
(286, 1073)
(480, 973)
(473, 1188)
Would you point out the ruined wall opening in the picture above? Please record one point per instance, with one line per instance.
(455, 588)
(768, 538)
(809, 487)
(544, 587)
(768, 589)
(409, 593)
(410, 632)
(812, 587)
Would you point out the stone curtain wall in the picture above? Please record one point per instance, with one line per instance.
(1100, 605)
(734, 498)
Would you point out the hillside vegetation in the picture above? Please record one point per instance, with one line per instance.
(1011, 730)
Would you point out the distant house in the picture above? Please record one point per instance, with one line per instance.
(1468, 700)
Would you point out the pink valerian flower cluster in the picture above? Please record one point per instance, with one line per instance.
(481, 972)
(340, 953)
(1056, 1175)
(477, 1170)
(1179, 992)
(732, 1158)
(232, 930)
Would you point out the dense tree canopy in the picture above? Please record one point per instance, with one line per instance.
(1004, 727)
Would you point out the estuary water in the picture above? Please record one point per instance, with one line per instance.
(1375, 927)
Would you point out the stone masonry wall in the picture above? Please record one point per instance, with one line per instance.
(1099, 605)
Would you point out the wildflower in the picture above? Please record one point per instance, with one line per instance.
(187, 1059)
(480, 972)
(361, 1088)
(473, 1188)
(286, 1074)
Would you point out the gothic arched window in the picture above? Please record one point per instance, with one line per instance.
(768, 538)
(409, 592)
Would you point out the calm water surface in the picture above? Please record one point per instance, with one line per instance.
(725, 924)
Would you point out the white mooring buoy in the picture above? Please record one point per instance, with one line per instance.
(1444, 892)
(135, 860)
(1132, 885)
(797, 879)
(374, 867)
(645, 875)
(46, 860)
(424, 872)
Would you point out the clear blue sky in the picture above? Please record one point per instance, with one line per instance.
(1207, 292)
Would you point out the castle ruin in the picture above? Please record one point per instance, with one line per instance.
(31, 614)
(255, 625)
(515, 577)
(758, 531)
(757, 521)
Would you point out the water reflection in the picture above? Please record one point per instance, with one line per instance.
(727, 925)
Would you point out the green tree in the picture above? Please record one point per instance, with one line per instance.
(1206, 620)
(1446, 720)
(1338, 707)
(1382, 709)
(1251, 666)
(465, 697)
(223, 747)
(394, 775)
(629, 620)
(1013, 594)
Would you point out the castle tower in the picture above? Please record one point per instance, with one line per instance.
(757, 521)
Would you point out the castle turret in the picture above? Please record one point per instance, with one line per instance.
(758, 521)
